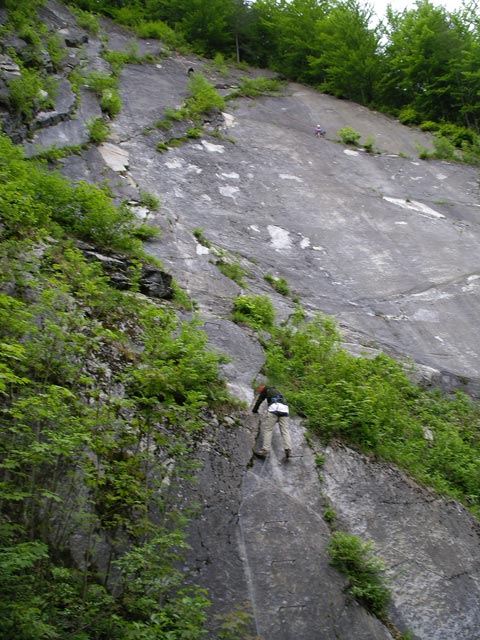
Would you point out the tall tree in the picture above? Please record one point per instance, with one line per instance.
(347, 63)
(290, 28)
(425, 46)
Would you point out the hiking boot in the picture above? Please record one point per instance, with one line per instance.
(262, 453)
(287, 453)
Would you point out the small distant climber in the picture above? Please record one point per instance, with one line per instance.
(319, 131)
(277, 412)
(190, 71)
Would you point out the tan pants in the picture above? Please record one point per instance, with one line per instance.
(268, 426)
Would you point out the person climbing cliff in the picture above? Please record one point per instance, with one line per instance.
(319, 131)
(277, 412)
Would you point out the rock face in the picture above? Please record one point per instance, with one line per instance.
(384, 242)
(152, 281)
(431, 546)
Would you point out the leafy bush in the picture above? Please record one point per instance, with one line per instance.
(409, 116)
(198, 233)
(232, 270)
(354, 558)
(444, 149)
(428, 125)
(219, 64)
(56, 50)
(458, 135)
(100, 82)
(204, 98)
(98, 130)
(117, 60)
(174, 114)
(372, 404)
(110, 102)
(160, 31)
(279, 284)
(149, 200)
(349, 136)
(369, 144)
(25, 93)
(31, 197)
(86, 20)
(68, 341)
(252, 87)
(256, 311)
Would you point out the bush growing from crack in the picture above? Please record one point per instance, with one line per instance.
(348, 135)
(279, 284)
(356, 561)
(255, 311)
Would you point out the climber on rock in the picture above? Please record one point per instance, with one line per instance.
(277, 412)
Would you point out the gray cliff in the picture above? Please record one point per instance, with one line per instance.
(385, 243)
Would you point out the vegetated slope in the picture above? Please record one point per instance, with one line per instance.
(384, 243)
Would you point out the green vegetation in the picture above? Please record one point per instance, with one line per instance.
(204, 98)
(329, 515)
(371, 403)
(335, 47)
(255, 311)
(203, 101)
(157, 30)
(98, 130)
(232, 270)
(354, 558)
(29, 93)
(319, 461)
(33, 197)
(104, 394)
(279, 284)
(348, 135)
(253, 87)
(106, 88)
(86, 20)
(198, 233)
(149, 200)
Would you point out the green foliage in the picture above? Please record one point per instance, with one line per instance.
(56, 50)
(76, 456)
(198, 233)
(204, 97)
(372, 404)
(98, 130)
(369, 144)
(452, 142)
(348, 135)
(33, 198)
(344, 56)
(220, 64)
(255, 311)
(320, 461)
(253, 87)
(158, 30)
(55, 153)
(100, 81)
(232, 270)
(444, 149)
(234, 625)
(354, 558)
(149, 200)
(86, 20)
(329, 515)
(279, 284)
(408, 115)
(25, 93)
(110, 102)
